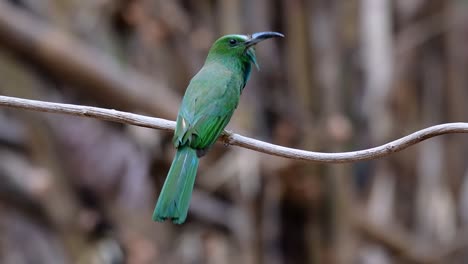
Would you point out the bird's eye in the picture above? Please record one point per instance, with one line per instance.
(232, 41)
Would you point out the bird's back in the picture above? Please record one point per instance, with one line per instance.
(208, 104)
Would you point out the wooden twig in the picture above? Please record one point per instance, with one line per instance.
(230, 138)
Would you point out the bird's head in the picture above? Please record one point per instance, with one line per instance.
(239, 46)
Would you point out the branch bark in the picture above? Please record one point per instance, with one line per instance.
(230, 138)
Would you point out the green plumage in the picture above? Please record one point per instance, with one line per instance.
(181, 177)
(207, 106)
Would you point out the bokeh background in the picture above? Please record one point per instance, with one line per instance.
(349, 75)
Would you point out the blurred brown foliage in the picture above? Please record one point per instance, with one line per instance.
(349, 75)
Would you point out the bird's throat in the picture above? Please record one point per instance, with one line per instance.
(250, 52)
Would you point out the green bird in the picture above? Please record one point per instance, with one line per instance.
(207, 106)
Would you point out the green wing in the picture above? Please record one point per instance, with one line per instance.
(208, 104)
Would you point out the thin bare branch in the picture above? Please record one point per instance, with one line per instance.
(236, 139)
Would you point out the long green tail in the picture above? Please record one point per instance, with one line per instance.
(174, 200)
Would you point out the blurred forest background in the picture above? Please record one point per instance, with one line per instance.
(349, 75)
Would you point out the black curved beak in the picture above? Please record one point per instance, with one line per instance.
(260, 36)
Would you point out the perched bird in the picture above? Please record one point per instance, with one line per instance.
(207, 106)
